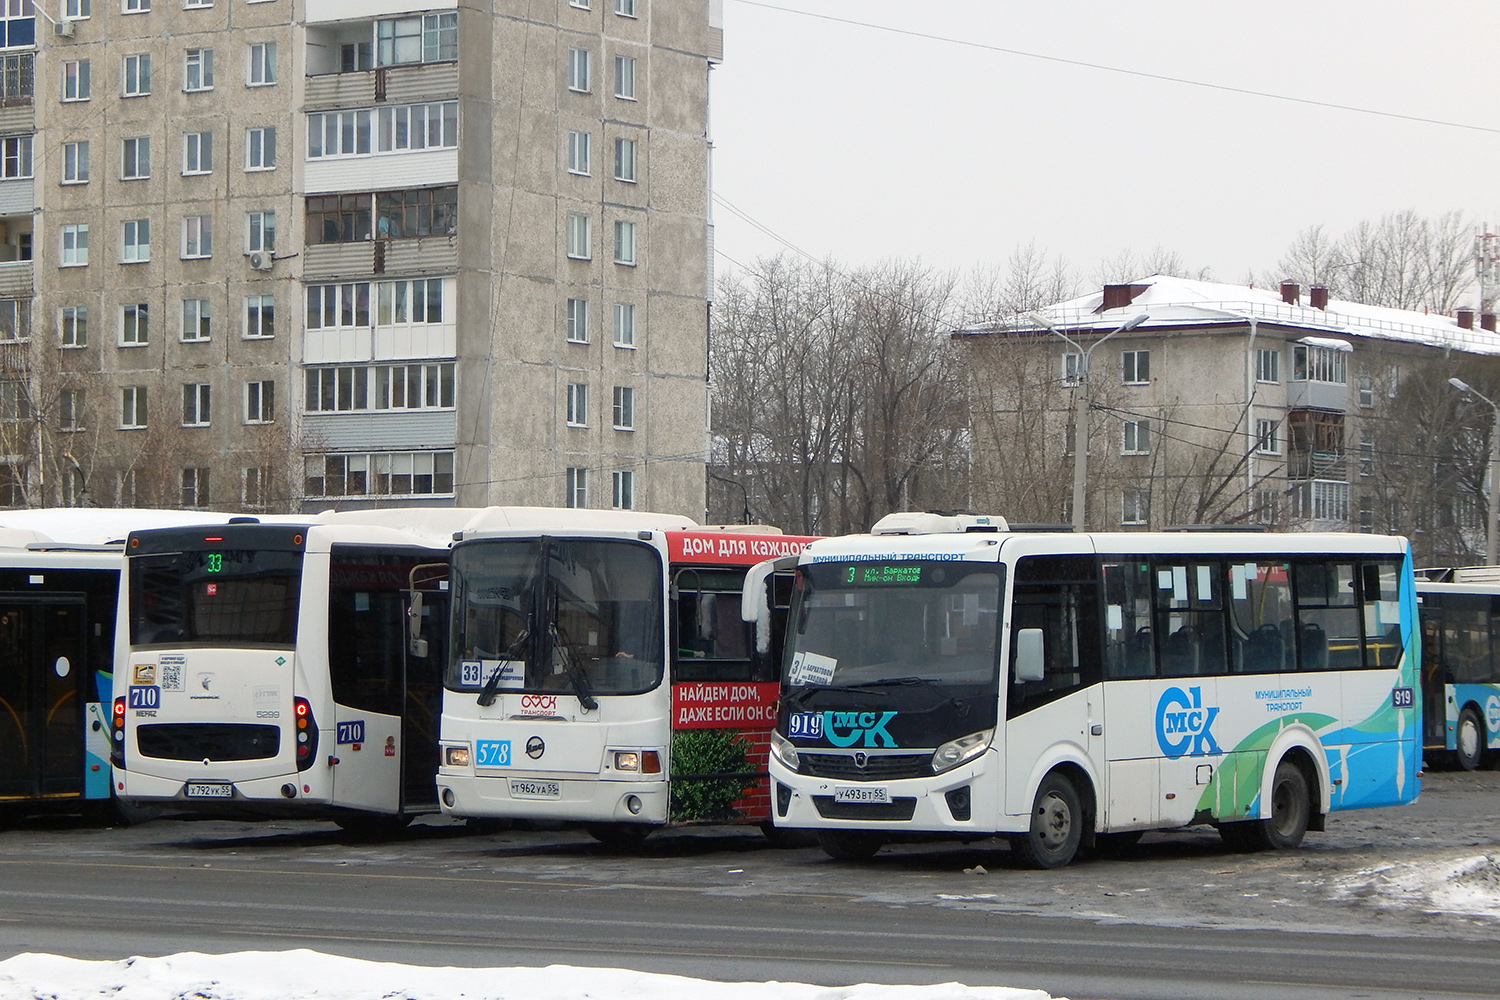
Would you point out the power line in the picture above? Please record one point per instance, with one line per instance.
(1143, 74)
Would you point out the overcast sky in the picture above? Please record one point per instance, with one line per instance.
(865, 144)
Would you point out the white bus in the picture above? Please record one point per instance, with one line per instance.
(601, 672)
(1460, 610)
(947, 676)
(59, 582)
(267, 666)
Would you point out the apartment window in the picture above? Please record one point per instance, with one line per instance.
(625, 160)
(136, 241)
(197, 152)
(380, 387)
(580, 4)
(624, 408)
(75, 80)
(136, 6)
(132, 407)
(624, 242)
(415, 213)
(1366, 456)
(74, 245)
(15, 157)
(194, 487)
(13, 403)
(75, 167)
(74, 9)
(578, 488)
(254, 488)
(338, 306)
(625, 8)
(135, 162)
(578, 404)
(338, 218)
(1267, 506)
(578, 70)
(410, 127)
(134, 324)
(195, 408)
(578, 152)
(197, 237)
(1267, 437)
(401, 303)
(15, 320)
(260, 316)
(624, 324)
(1320, 364)
(1072, 364)
(402, 473)
(261, 68)
(260, 148)
(429, 38)
(625, 78)
(73, 326)
(335, 390)
(260, 402)
(1366, 392)
(198, 70)
(1135, 367)
(580, 236)
(578, 321)
(339, 133)
(1137, 438)
(260, 231)
(190, 4)
(1324, 500)
(624, 490)
(1135, 507)
(70, 403)
(136, 79)
(196, 320)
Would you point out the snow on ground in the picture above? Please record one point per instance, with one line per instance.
(308, 975)
(1467, 886)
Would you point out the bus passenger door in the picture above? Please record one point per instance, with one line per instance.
(42, 671)
(367, 643)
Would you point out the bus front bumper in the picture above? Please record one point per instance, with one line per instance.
(552, 796)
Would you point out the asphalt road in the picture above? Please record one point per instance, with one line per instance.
(1348, 915)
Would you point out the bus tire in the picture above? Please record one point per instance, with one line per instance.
(619, 836)
(1469, 740)
(1056, 826)
(1291, 809)
(849, 845)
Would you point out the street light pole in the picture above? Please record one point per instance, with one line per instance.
(1492, 515)
(1081, 410)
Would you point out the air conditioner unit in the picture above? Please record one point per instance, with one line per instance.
(261, 260)
(63, 29)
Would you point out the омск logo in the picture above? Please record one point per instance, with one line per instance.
(1183, 725)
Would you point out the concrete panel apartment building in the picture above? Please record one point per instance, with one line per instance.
(290, 254)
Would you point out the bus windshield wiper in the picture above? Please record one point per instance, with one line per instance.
(492, 685)
(581, 686)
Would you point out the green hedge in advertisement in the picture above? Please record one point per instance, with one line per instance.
(707, 751)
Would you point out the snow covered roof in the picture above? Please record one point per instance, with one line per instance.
(1169, 301)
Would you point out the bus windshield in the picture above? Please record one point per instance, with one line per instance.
(862, 624)
(215, 598)
(572, 615)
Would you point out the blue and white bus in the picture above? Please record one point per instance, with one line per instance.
(948, 676)
(1460, 667)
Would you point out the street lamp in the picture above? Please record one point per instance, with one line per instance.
(1491, 540)
(1081, 408)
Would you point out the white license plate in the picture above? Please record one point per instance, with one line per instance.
(206, 790)
(861, 793)
(522, 789)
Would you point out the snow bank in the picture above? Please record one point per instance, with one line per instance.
(305, 975)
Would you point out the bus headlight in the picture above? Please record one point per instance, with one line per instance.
(456, 756)
(784, 751)
(965, 748)
(627, 760)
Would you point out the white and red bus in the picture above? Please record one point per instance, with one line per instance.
(600, 672)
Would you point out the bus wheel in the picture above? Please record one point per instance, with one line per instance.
(1290, 808)
(619, 836)
(1469, 740)
(1056, 826)
(848, 845)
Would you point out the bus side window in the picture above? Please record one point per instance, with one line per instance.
(1260, 599)
(1328, 628)
(1380, 596)
(1128, 647)
(1059, 595)
(1190, 618)
(712, 642)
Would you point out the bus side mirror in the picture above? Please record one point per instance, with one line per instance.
(1031, 661)
(755, 598)
(417, 645)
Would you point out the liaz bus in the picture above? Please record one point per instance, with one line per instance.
(1460, 615)
(600, 672)
(947, 676)
(59, 582)
(270, 667)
